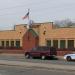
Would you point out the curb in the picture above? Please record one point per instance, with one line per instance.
(38, 65)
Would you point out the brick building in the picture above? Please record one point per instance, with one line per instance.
(39, 34)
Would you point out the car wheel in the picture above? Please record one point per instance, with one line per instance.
(68, 58)
(43, 57)
(27, 56)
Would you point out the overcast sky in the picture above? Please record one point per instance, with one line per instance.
(12, 11)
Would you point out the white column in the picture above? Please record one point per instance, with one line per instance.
(66, 43)
(51, 42)
(58, 43)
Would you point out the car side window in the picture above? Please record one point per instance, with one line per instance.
(34, 49)
(43, 48)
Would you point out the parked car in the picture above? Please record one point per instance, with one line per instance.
(41, 52)
(69, 57)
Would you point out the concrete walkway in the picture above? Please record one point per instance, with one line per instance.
(38, 65)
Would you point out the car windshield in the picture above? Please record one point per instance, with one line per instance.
(40, 48)
(34, 49)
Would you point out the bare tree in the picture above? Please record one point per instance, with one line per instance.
(64, 23)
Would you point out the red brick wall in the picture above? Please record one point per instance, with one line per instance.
(61, 52)
(29, 41)
(13, 51)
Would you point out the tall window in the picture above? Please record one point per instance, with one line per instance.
(70, 43)
(62, 43)
(7, 43)
(2, 43)
(55, 43)
(18, 44)
(49, 43)
(12, 43)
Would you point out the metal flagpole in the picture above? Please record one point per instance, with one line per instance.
(28, 19)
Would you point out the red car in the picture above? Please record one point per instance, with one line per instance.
(41, 52)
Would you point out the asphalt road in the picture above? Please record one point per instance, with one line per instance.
(22, 58)
(15, 70)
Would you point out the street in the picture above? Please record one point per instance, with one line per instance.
(18, 57)
(15, 70)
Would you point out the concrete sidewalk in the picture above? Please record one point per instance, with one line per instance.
(38, 65)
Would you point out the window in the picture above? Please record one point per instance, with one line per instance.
(17, 44)
(70, 43)
(44, 32)
(49, 43)
(40, 48)
(7, 43)
(45, 48)
(2, 42)
(62, 43)
(55, 43)
(12, 43)
(34, 49)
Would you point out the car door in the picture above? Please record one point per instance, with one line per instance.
(35, 52)
(73, 56)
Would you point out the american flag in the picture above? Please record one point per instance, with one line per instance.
(26, 16)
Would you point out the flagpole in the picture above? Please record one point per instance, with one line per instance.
(28, 19)
(29, 14)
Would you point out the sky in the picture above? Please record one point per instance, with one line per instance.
(12, 11)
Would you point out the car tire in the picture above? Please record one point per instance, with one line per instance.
(43, 57)
(68, 58)
(27, 56)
